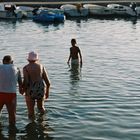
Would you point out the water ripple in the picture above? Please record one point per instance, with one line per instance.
(101, 101)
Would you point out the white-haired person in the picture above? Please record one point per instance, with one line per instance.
(10, 76)
(36, 85)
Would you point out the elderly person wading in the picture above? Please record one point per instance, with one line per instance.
(9, 77)
(36, 85)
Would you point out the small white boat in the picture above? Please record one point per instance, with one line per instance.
(9, 11)
(135, 8)
(122, 10)
(138, 11)
(98, 10)
(26, 11)
(74, 10)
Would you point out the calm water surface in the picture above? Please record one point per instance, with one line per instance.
(101, 101)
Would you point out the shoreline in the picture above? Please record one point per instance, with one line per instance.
(57, 3)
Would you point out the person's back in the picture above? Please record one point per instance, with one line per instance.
(34, 70)
(8, 78)
(75, 54)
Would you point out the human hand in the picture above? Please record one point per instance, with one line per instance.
(81, 64)
(21, 90)
(46, 95)
(68, 63)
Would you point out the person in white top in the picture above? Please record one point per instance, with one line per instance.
(10, 76)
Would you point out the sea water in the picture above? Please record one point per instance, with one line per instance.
(100, 101)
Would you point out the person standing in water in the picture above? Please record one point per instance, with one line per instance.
(36, 85)
(10, 76)
(75, 54)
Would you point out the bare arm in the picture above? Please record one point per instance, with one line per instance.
(20, 81)
(69, 57)
(47, 82)
(81, 61)
(25, 80)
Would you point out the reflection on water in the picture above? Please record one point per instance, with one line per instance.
(37, 130)
(134, 20)
(12, 130)
(9, 23)
(75, 75)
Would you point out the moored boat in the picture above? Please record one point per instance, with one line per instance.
(74, 10)
(9, 11)
(98, 10)
(122, 10)
(138, 11)
(26, 11)
(48, 15)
